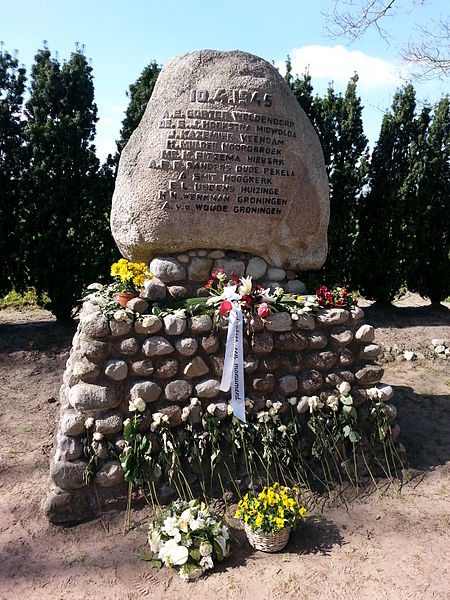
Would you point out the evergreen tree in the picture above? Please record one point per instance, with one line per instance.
(12, 158)
(139, 94)
(428, 268)
(384, 216)
(67, 220)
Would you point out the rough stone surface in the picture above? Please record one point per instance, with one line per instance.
(157, 346)
(110, 474)
(174, 325)
(116, 370)
(262, 343)
(68, 475)
(72, 422)
(178, 390)
(167, 270)
(341, 336)
(145, 224)
(264, 384)
(129, 346)
(369, 375)
(369, 351)
(67, 447)
(108, 424)
(333, 316)
(186, 346)
(201, 324)
(95, 325)
(256, 267)
(305, 322)
(139, 305)
(365, 334)
(178, 292)
(86, 370)
(295, 287)
(174, 414)
(279, 322)
(207, 389)
(210, 343)
(147, 390)
(275, 274)
(64, 507)
(88, 397)
(155, 290)
(119, 328)
(94, 350)
(291, 341)
(166, 369)
(199, 269)
(196, 367)
(288, 385)
(317, 340)
(152, 322)
(142, 368)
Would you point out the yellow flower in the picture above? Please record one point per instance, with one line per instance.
(259, 519)
(302, 512)
(238, 514)
(279, 522)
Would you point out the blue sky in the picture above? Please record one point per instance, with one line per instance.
(121, 38)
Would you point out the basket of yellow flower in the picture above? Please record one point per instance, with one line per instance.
(269, 516)
(129, 279)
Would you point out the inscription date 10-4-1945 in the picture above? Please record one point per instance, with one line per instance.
(223, 96)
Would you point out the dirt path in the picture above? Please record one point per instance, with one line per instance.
(386, 544)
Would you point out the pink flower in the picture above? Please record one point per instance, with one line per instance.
(225, 308)
(263, 310)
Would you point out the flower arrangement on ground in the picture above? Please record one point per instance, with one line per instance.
(189, 537)
(273, 509)
(336, 297)
(128, 276)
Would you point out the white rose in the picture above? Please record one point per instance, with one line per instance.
(344, 388)
(149, 321)
(177, 555)
(89, 422)
(294, 316)
(97, 436)
(268, 403)
(292, 401)
(154, 539)
(282, 429)
(139, 404)
(374, 393)
(185, 413)
(211, 409)
(195, 401)
(229, 409)
(118, 315)
(205, 548)
(333, 403)
(277, 406)
(206, 562)
(314, 402)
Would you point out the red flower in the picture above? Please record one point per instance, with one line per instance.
(248, 301)
(210, 283)
(225, 308)
(235, 278)
(263, 310)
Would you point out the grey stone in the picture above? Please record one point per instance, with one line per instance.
(210, 343)
(174, 325)
(365, 334)
(167, 368)
(275, 274)
(357, 313)
(387, 391)
(183, 258)
(207, 389)
(440, 349)
(67, 447)
(110, 474)
(279, 322)
(317, 340)
(264, 384)
(86, 370)
(333, 316)
(72, 422)
(256, 267)
(391, 411)
(291, 362)
(216, 254)
(155, 290)
(369, 375)
(119, 328)
(174, 414)
(154, 324)
(196, 367)
(88, 397)
(295, 286)
(186, 346)
(139, 305)
(201, 324)
(262, 343)
(322, 361)
(271, 363)
(291, 341)
(157, 346)
(64, 507)
(346, 358)
(94, 350)
(250, 364)
(178, 292)
(100, 449)
(256, 323)
(178, 390)
(346, 376)
(221, 410)
(167, 269)
(288, 385)
(310, 382)
(142, 368)
(145, 225)
(230, 266)
(108, 424)
(305, 322)
(95, 325)
(202, 253)
(116, 369)
(129, 346)
(369, 351)
(68, 475)
(147, 390)
(90, 307)
(341, 336)
(199, 269)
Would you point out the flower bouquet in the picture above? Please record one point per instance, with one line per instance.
(189, 538)
(269, 516)
(129, 279)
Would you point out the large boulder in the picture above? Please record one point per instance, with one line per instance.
(224, 157)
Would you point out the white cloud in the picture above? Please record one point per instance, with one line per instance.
(337, 64)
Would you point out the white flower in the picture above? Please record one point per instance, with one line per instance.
(97, 436)
(211, 409)
(207, 562)
(149, 320)
(263, 417)
(157, 420)
(195, 401)
(277, 406)
(180, 313)
(125, 423)
(246, 286)
(268, 403)
(282, 429)
(185, 413)
(344, 388)
(154, 539)
(205, 549)
(195, 524)
(121, 315)
(304, 310)
(249, 403)
(278, 291)
(294, 316)
(136, 404)
(374, 393)
(229, 409)
(314, 402)
(176, 555)
(292, 401)
(333, 403)
(89, 422)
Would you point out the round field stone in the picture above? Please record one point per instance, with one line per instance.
(108, 424)
(174, 325)
(86, 370)
(279, 322)
(149, 324)
(365, 334)
(119, 328)
(129, 346)
(207, 389)
(256, 268)
(95, 325)
(333, 316)
(200, 324)
(167, 269)
(196, 367)
(68, 475)
(178, 390)
(147, 390)
(138, 305)
(89, 397)
(72, 422)
(186, 346)
(116, 370)
(155, 290)
(157, 346)
(110, 474)
(142, 368)
(288, 385)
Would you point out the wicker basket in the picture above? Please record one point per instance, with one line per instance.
(268, 542)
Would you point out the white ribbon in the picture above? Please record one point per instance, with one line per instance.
(233, 368)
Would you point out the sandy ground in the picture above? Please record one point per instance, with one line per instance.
(387, 543)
